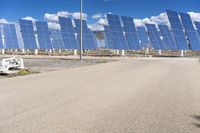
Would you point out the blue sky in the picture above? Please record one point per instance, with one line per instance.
(12, 10)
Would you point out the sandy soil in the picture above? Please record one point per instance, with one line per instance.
(128, 96)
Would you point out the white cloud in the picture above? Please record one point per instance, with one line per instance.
(30, 18)
(4, 21)
(160, 19)
(97, 16)
(53, 25)
(76, 15)
(54, 17)
(194, 16)
(103, 21)
(96, 27)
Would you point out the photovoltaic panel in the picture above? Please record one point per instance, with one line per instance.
(108, 38)
(117, 33)
(28, 34)
(177, 30)
(143, 37)
(88, 40)
(168, 39)
(154, 37)
(56, 39)
(1, 41)
(192, 34)
(131, 33)
(68, 33)
(10, 36)
(44, 39)
(197, 24)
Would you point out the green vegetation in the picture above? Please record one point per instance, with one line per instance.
(24, 72)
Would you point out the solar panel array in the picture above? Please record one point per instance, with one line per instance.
(68, 33)
(56, 39)
(131, 33)
(143, 37)
(168, 39)
(43, 35)
(88, 40)
(120, 33)
(192, 34)
(10, 36)
(154, 37)
(108, 38)
(178, 30)
(117, 33)
(28, 34)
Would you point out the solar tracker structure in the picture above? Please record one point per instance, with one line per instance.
(117, 33)
(108, 38)
(168, 39)
(68, 33)
(88, 41)
(44, 39)
(10, 36)
(56, 39)
(177, 30)
(1, 39)
(154, 37)
(131, 33)
(197, 24)
(192, 34)
(28, 34)
(143, 37)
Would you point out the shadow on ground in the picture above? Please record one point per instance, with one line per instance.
(197, 118)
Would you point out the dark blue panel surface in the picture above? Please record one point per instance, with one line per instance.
(131, 33)
(88, 40)
(10, 36)
(56, 39)
(117, 33)
(177, 30)
(143, 37)
(192, 34)
(154, 37)
(68, 33)
(197, 26)
(168, 39)
(108, 38)
(44, 39)
(28, 34)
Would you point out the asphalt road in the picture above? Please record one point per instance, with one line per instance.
(128, 96)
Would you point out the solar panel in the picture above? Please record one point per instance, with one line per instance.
(44, 39)
(154, 37)
(168, 39)
(108, 38)
(131, 33)
(28, 34)
(1, 41)
(197, 26)
(68, 33)
(56, 39)
(192, 34)
(117, 33)
(177, 30)
(10, 36)
(88, 40)
(143, 37)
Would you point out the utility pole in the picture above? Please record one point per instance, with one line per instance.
(81, 31)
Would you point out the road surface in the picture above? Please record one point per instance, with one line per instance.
(128, 96)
